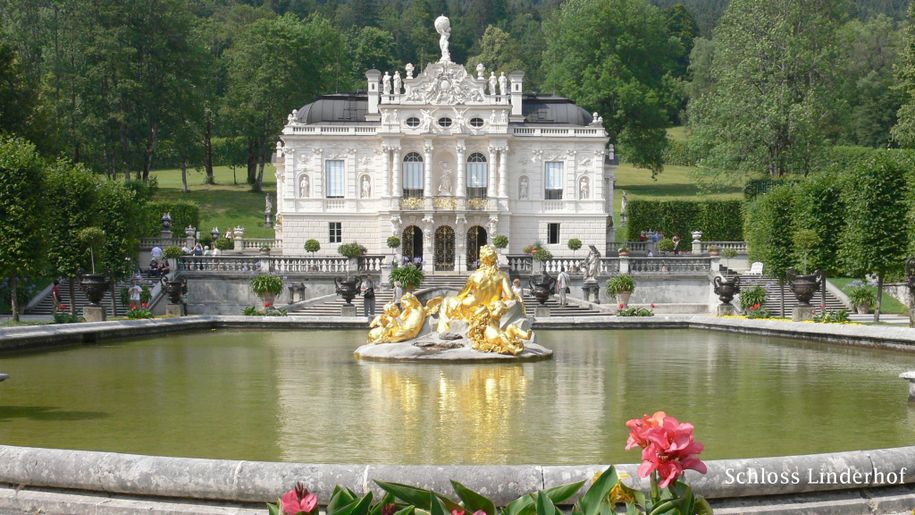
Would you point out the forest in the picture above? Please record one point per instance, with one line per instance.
(130, 86)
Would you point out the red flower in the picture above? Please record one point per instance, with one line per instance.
(267, 304)
(389, 509)
(667, 447)
(754, 307)
(145, 305)
(299, 500)
(653, 306)
(133, 306)
(622, 306)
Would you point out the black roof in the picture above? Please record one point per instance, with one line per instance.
(351, 108)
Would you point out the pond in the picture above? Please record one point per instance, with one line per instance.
(300, 396)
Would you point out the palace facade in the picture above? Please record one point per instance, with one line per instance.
(444, 161)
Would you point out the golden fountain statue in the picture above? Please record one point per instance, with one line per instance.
(486, 316)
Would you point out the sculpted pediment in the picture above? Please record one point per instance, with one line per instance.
(444, 83)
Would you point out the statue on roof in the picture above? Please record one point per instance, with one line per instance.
(443, 26)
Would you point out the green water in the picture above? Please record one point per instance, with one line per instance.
(300, 396)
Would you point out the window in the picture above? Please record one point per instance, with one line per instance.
(444, 122)
(552, 180)
(336, 232)
(477, 176)
(552, 234)
(476, 122)
(334, 184)
(413, 172)
(413, 122)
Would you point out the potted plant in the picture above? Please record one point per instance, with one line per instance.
(623, 252)
(861, 296)
(223, 244)
(410, 277)
(93, 284)
(393, 243)
(539, 254)
(621, 287)
(352, 251)
(267, 287)
(574, 244)
(666, 245)
(728, 254)
(500, 241)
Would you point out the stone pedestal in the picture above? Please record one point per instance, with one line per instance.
(910, 377)
(175, 310)
(802, 313)
(94, 314)
(541, 312)
(725, 310)
(591, 291)
(348, 310)
(386, 268)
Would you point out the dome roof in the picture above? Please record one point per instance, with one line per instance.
(553, 110)
(337, 108)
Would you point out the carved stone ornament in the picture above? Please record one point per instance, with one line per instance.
(445, 83)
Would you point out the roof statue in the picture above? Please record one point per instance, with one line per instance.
(443, 26)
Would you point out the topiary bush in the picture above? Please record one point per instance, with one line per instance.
(183, 214)
(225, 244)
(500, 241)
(172, 252)
(312, 246)
(351, 250)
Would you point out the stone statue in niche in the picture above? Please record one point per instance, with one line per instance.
(304, 186)
(386, 84)
(492, 83)
(584, 189)
(523, 186)
(443, 27)
(503, 84)
(398, 83)
(426, 123)
(445, 183)
(366, 187)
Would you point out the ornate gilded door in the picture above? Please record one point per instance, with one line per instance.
(412, 244)
(476, 238)
(444, 248)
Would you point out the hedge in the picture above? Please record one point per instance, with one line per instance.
(183, 214)
(718, 220)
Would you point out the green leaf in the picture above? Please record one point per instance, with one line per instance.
(418, 497)
(357, 507)
(702, 506)
(518, 506)
(544, 505)
(274, 509)
(596, 495)
(377, 507)
(405, 511)
(340, 498)
(472, 500)
(437, 507)
(560, 493)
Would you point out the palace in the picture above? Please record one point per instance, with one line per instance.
(444, 161)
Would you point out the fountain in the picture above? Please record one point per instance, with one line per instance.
(485, 321)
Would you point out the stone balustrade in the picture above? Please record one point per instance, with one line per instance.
(333, 130)
(523, 264)
(162, 243)
(596, 132)
(738, 246)
(276, 264)
(259, 243)
(668, 265)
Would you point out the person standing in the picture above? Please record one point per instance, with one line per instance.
(55, 295)
(676, 240)
(398, 293)
(564, 281)
(156, 253)
(135, 293)
(368, 296)
(517, 289)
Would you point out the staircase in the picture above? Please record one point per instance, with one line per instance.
(773, 296)
(333, 307)
(46, 306)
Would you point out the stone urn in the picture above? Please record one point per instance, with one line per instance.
(543, 287)
(174, 289)
(346, 288)
(623, 298)
(726, 288)
(804, 286)
(94, 286)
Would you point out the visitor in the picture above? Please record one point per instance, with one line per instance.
(643, 236)
(134, 293)
(214, 250)
(564, 282)
(676, 240)
(154, 268)
(418, 262)
(650, 253)
(368, 296)
(156, 252)
(164, 269)
(398, 293)
(207, 251)
(198, 249)
(185, 250)
(517, 289)
(55, 295)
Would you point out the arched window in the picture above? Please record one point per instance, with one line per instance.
(477, 176)
(413, 173)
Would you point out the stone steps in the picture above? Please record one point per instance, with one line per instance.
(773, 296)
(46, 306)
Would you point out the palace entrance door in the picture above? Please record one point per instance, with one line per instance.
(476, 238)
(444, 249)
(412, 245)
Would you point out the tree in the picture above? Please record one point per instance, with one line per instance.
(499, 52)
(768, 229)
(17, 96)
(22, 209)
(681, 25)
(370, 48)
(874, 240)
(612, 57)
(904, 130)
(772, 91)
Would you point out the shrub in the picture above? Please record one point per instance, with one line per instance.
(666, 245)
(351, 250)
(622, 283)
(635, 312)
(537, 252)
(861, 294)
(728, 253)
(139, 312)
(574, 244)
(680, 153)
(805, 242)
(717, 219)
(832, 317)
(225, 244)
(312, 246)
(172, 252)
(768, 227)
(752, 296)
(266, 284)
(757, 311)
(409, 276)
(64, 317)
(500, 241)
(393, 242)
(269, 311)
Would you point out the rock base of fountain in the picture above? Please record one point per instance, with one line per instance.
(450, 351)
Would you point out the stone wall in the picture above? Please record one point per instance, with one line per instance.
(229, 294)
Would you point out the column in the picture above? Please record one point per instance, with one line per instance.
(460, 243)
(428, 227)
(396, 181)
(461, 171)
(385, 186)
(427, 175)
(571, 170)
(352, 174)
(491, 174)
(503, 172)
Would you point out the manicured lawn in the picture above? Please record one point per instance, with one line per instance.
(224, 204)
(890, 304)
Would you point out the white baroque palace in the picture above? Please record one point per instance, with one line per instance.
(444, 161)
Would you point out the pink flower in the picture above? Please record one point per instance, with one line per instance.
(653, 306)
(267, 304)
(462, 512)
(667, 447)
(622, 306)
(389, 509)
(299, 500)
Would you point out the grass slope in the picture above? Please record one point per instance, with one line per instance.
(889, 303)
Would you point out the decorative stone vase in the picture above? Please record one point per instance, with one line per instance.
(265, 250)
(268, 298)
(543, 287)
(862, 309)
(174, 290)
(94, 286)
(623, 298)
(624, 253)
(346, 288)
(726, 288)
(804, 286)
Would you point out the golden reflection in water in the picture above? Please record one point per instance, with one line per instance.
(472, 408)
